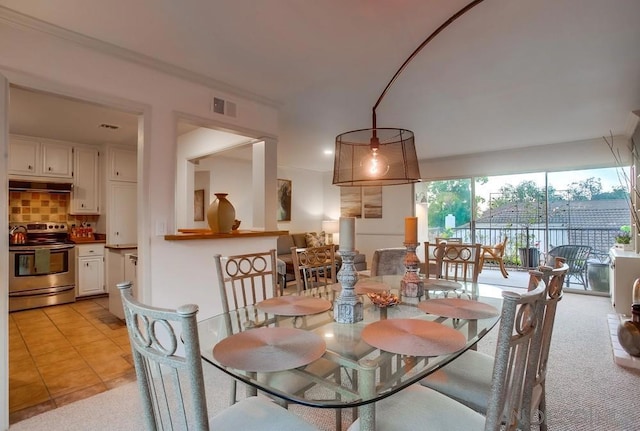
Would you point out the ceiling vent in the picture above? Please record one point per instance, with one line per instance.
(109, 126)
(223, 107)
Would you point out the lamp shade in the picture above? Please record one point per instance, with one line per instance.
(375, 157)
(331, 226)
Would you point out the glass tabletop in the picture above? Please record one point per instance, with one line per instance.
(366, 373)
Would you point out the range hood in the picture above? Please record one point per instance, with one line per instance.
(40, 186)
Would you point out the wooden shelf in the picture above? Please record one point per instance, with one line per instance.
(193, 234)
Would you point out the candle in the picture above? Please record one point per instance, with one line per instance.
(347, 233)
(411, 230)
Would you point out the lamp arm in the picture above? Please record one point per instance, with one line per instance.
(418, 49)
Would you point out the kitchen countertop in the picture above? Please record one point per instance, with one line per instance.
(121, 246)
(190, 234)
(89, 241)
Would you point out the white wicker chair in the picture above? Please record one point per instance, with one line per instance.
(171, 381)
(513, 376)
(468, 378)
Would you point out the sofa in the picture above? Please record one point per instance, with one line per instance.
(300, 240)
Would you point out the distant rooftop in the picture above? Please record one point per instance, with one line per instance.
(588, 214)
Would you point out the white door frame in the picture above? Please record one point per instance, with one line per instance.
(8, 77)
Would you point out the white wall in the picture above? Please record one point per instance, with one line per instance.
(307, 200)
(45, 62)
(371, 234)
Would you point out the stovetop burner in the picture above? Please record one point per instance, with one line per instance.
(41, 234)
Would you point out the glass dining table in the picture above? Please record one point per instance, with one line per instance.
(391, 348)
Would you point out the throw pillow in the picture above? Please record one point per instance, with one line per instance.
(314, 240)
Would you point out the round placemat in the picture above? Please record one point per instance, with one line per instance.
(440, 284)
(294, 305)
(269, 349)
(458, 308)
(413, 337)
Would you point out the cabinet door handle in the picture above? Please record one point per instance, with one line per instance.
(30, 167)
(49, 168)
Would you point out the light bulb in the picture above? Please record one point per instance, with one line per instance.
(375, 165)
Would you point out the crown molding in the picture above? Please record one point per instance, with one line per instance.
(24, 21)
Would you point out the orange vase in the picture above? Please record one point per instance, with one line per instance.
(221, 214)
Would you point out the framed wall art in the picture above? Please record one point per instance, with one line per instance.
(284, 200)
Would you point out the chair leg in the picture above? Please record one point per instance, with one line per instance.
(505, 274)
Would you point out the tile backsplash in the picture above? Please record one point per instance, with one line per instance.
(31, 207)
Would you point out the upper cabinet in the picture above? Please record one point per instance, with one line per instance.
(85, 198)
(29, 157)
(123, 164)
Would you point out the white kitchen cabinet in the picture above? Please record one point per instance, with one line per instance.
(90, 269)
(122, 221)
(31, 157)
(119, 269)
(85, 198)
(123, 164)
(624, 269)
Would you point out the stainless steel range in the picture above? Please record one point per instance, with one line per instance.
(42, 269)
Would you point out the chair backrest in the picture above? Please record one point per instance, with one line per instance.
(439, 240)
(433, 255)
(170, 380)
(554, 281)
(575, 255)
(314, 268)
(509, 406)
(460, 262)
(388, 261)
(246, 279)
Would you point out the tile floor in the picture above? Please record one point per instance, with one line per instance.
(64, 353)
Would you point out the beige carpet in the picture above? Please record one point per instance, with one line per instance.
(586, 389)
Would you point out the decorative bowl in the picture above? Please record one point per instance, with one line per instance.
(383, 299)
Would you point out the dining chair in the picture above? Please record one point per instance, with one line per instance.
(461, 262)
(468, 378)
(433, 259)
(166, 354)
(388, 261)
(245, 280)
(495, 253)
(440, 240)
(512, 379)
(314, 268)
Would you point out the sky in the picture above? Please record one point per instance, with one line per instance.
(559, 180)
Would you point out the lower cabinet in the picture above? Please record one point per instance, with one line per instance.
(120, 267)
(90, 269)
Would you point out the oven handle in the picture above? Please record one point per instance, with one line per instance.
(33, 248)
(42, 292)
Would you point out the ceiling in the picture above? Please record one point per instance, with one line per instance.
(508, 74)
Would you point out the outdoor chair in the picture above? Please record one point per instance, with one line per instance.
(576, 257)
(166, 354)
(511, 385)
(495, 253)
(448, 240)
(468, 378)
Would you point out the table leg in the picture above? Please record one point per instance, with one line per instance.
(251, 391)
(366, 388)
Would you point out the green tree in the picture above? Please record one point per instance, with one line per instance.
(584, 190)
(450, 197)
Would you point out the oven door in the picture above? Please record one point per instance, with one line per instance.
(33, 268)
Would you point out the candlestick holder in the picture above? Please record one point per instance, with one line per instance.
(411, 285)
(347, 307)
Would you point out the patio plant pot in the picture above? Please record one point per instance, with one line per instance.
(529, 257)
